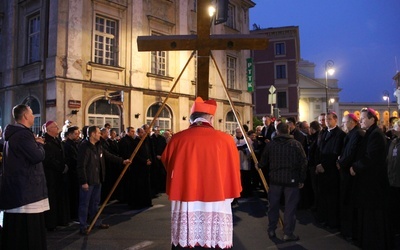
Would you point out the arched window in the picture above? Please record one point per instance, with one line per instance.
(35, 106)
(101, 112)
(230, 123)
(164, 120)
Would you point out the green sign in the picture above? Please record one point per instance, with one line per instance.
(249, 73)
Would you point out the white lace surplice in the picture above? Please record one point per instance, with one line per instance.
(202, 223)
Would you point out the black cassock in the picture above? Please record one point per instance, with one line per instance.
(329, 149)
(371, 187)
(57, 183)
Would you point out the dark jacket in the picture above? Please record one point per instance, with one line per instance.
(393, 160)
(330, 147)
(300, 137)
(313, 150)
(113, 147)
(71, 155)
(54, 162)
(24, 181)
(144, 153)
(126, 147)
(159, 144)
(91, 165)
(266, 132)
(351, 145)
(371, 180)
(286, 160)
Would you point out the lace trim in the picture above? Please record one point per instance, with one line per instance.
(205, 229)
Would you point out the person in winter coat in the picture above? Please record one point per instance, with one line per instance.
(287, 163)
(23, 193)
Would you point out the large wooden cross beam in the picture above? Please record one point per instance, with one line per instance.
(203, 42)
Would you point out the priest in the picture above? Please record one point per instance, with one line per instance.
(203, 178)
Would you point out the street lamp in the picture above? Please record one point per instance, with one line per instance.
(331, 102)
(328, 70)
(387, 98)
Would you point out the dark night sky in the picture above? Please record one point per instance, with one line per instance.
(361, 37)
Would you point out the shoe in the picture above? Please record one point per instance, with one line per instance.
(290, 237)
(84, 231)
(103, 226)
(271, 234)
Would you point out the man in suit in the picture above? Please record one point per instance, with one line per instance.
(268, 128)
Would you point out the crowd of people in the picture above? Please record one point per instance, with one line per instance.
(61, 177)
(351, 180)
(348, 175)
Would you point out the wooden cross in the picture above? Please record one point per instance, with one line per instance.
(203, 42)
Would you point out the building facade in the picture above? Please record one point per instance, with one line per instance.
(313, 92)
(277, 66)
(71, 60)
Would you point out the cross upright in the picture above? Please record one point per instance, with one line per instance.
(203, 42)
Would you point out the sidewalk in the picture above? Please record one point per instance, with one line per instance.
(150, 229)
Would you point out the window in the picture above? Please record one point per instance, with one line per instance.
(280, 72)
(280, 49)
(230, 123)
(101, 112)
(159, 61)
(281, 100)
(164, 120)
(231, 16)
(230, 72)
(34, 38)
(106, 41)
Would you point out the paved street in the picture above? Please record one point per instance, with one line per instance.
(149, 229)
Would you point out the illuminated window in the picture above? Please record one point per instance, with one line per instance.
(231, 17)
(230, 123)
(230, 72)
(159, 61)
(34, 38)
(101, 112)
(106, 41)
(164, 120)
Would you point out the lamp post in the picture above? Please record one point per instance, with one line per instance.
(387, 98)
(328, 70)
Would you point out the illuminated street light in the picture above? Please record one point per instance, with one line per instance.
(331, 102)
(387, 98)
(211, 11)
(328, 70)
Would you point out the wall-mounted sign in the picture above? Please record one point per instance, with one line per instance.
(249, 74)
(74, 104)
